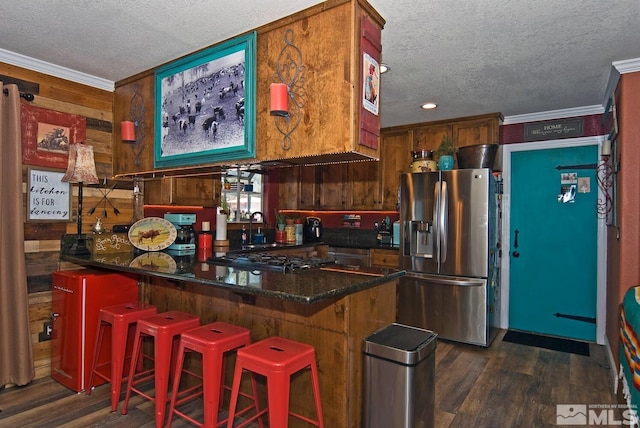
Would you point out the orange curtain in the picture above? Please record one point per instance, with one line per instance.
(16, 356)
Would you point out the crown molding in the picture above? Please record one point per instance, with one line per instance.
(627, 65)
(619, 68)
(55, 70)
(553, 114)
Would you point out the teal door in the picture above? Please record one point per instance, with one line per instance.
(553, 254)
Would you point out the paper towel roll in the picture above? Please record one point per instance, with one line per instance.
(221, 227)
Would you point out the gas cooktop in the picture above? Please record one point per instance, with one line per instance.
(266, 261)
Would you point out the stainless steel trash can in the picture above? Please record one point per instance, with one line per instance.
(399, 372)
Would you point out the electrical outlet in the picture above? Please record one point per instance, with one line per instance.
(45, 334)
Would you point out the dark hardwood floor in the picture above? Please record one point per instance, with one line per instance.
(506, 385)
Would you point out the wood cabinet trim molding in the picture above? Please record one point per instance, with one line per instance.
(451, 121)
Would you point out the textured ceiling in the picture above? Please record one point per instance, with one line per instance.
(471, 57)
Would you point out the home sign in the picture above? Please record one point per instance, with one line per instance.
(556, 129)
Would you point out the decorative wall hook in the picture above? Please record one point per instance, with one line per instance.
(134, 131)
(605, 176)
(287, 106)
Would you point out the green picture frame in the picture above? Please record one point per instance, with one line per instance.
(205, 105)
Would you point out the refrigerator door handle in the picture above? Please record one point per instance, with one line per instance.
(443, 204)
(436, 228)
(446, 280)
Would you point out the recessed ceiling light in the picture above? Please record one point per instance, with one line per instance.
(428, 106)
(384, 68)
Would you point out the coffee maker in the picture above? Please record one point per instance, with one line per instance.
(312, 229)
(185, 242)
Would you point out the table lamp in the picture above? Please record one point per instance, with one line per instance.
(80, 169)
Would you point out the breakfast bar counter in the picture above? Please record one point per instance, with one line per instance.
(331, 307)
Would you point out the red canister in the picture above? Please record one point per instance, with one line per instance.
(205, 238)
(281, 237)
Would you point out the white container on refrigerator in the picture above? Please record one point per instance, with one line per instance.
(77, 297)
(448, 248)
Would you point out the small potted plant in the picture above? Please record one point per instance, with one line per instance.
(280, 219)
(445, 153)
(224, 207)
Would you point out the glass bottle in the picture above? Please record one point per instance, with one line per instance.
(244, 235)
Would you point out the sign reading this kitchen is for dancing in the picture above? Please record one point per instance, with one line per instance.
(567, 128)
(48, 197)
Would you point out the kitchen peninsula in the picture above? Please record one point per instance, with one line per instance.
(332, 308)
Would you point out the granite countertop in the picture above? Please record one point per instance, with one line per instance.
(303, 286)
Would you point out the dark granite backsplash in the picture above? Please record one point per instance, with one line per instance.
(335, 237)
(350, 237)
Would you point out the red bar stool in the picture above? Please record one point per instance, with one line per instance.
(214, 342)
(277, 359)
(165, 328)
(120, 318)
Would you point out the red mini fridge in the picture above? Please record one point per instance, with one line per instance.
(77, 297)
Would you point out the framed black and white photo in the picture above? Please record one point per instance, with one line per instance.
(205, 105)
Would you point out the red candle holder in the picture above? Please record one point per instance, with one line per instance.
(279, 94)
(128, 131)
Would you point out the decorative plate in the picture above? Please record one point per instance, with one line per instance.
(157, 262)
(152, 234)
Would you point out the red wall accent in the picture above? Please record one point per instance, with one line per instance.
(514, 133)
(271, 190)
(623, 265)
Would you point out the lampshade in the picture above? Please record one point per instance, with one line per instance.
(81, 167)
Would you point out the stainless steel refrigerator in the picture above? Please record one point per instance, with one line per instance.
(449, 222)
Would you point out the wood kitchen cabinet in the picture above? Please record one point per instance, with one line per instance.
(197, 191)
(333, 187)
(484, 129)
(477, 131)
(133, 100)
(364, 185)
(357, 185)
(298, 188)
(374, 185)
(332, 38)
(289, 188)
(395, 160)
(384, 257)
(309, 193)
(369, 185)
(429, 137)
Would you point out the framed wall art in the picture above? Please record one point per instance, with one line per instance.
(48, 198)
(46, 135)
(205, 105)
